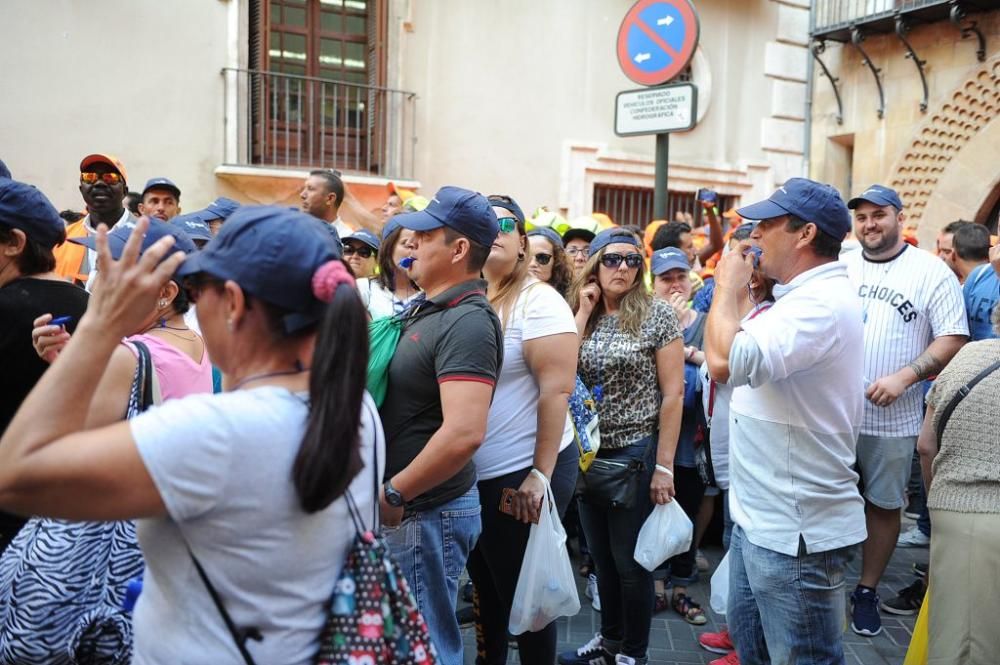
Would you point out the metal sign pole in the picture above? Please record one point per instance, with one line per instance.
(660, 176)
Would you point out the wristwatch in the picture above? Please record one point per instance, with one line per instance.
(392, 495)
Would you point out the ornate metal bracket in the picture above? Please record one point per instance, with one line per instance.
(957, 15)
(903, 27)
(817, 47)
(856, 38)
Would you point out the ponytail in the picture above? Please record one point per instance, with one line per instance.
(330, 454)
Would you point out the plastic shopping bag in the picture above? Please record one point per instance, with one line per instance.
(667, 532)
(720, 587)
(546, 588)
(916, 654)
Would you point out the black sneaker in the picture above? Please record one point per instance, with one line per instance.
(591, 653)
(865, 619)
(465, 616)
(467, 592)
(920, 569)
(914, 507)
(908, 601)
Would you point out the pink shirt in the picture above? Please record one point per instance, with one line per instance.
(177, 373)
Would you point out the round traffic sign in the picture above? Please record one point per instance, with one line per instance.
(656, 40)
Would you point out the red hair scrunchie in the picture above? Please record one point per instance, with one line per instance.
(328, 277)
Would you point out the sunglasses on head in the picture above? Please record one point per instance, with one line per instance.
(508, 224)
(364, 251)
(543, 259)
(614, 261)
(90, 178)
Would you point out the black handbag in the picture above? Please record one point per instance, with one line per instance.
(612, 484)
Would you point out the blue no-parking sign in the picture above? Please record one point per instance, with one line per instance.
(657, 39)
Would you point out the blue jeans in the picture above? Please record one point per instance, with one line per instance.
(785, 609)
(432, 546)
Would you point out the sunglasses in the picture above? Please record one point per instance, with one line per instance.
(614, 261)
(363, 252)
(573, 251)
(508, 224)
(90, 178)
(195, 285)
(543, 259)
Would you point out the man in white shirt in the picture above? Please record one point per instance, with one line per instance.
(914, 322)
(796, 371)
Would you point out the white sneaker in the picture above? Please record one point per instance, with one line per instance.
(913, 538)
(592, 593)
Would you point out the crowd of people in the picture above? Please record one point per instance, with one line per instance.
(196, 465)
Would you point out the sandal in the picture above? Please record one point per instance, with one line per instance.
(661, 603)
(689, 610)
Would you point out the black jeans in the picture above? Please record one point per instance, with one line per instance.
(495, 565)
(625, 587)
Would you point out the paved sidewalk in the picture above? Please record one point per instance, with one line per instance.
(675, 642)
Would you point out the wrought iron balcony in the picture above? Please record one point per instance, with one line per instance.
(833, 19)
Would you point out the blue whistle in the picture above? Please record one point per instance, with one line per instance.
(406, 262)
(756, 251)
(60, 320)
(132, 592)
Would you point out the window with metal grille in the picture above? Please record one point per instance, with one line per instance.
(633, 206)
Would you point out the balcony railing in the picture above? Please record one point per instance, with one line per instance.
(284, 120)
(831, 16)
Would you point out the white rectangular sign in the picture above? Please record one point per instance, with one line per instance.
(668, 108)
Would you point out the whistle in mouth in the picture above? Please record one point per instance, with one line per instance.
(406, 262)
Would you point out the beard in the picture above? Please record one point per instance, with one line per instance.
(887, 240)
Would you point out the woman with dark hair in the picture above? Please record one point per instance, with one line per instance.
(548, 259)
(251, 481)
(529, 438)
(29, 228)
(632, 359)
(391, 290)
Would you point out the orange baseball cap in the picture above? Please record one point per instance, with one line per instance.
(403, 194)
(100, 158)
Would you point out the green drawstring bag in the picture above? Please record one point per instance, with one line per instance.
(383, 336)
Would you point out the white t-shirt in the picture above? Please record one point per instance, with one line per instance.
(223, 465)
(509, 446)
(794, 416)
(379, 301)
(906, 303)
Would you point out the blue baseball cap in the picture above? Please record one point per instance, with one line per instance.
(462, 210)
(610, 237)
(510, 206)
(879, 195)
(548, 234)
(119, 235)
(4, 171)
(161, 183)
(808, 200)
(390, 226)
(194, 225)
(24, 207)
(272, 253)
(220, 208)
(669, 258)
(365, 236)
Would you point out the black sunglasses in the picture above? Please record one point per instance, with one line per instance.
(543, 259)
(364, 252)
(614, 261)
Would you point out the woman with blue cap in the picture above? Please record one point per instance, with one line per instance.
(249, 483)
(391, 290)
(548, 259)
(632, 360)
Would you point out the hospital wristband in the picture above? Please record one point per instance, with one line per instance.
(660, 467)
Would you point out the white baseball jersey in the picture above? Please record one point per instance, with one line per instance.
(907, 302)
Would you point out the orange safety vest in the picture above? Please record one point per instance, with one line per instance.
(70, 256)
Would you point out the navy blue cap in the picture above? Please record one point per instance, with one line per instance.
(220, 208)
(808, 200)
(390, 226)
(669, 258)
(510, 206)
(24, 207)
(365, 236)
(194, 225)
(879, 195)
(548, 234)
(4, 171)
(161, 183)
(119, 235)
(462, 210)
(610, 237)
(272, 253)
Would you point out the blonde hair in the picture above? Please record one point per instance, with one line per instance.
(506, 294)
(632, 309)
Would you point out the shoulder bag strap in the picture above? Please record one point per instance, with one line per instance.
(959, 396)
(240, 635)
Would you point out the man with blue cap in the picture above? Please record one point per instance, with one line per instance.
(217, 212)
(914, 323)
(161, 198)
(794, 419)
(30, 228)
(441, 382)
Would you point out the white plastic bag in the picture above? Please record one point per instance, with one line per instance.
(546, 588)
(667, 532)
(720, 587)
